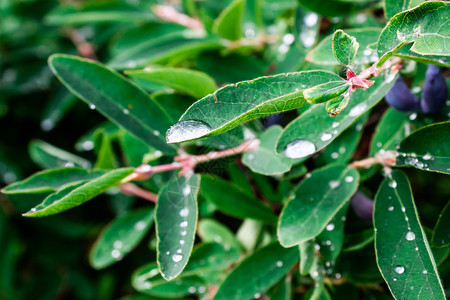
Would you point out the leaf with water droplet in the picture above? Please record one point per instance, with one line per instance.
(111, 94)
(194, 83)
(148, 280)
(50, 180)
(176, 221)
(427, 149)
(76, 194)
(441, 233)
(230, 105)
(210, 230)
(401, 245)
(263, 267)
(344, 47)
(425, 26)
(322, 54)
(310, 125)
(228, 198)
(317, 200)
(48, 156)
(121, 235)
(264, 160)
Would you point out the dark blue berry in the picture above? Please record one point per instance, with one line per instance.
(435, 91)
(401, 98)
(363, 206)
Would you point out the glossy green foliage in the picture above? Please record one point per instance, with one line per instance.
(229, 106)
(265, 267)
(403, 252)
(427, 149)
(121, 101)
(48, 156)
(344, 47)
(193, 83)
(315, 202)
(424, 27)
(229, 23)
(176, 222)
(393, 7)
(441, 233)
(77, 193)
(120, 237)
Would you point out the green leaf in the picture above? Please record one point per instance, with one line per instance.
(231, 200)
(331, 238)
(441, 233)
(326, 91)
(344, 47)
(322, 54)
(94, 12)
(403, 254)
(76, 194)
(264, 160)
(391, 129)
(176, 46)
(190, 82)
(315, 129)
(176, 221)
(120, 237)
(424, 25)
(331, 9)
(213, 231)
(307, 256)
(393, 7)
(427, 149)
(230, 105)
(257, 273)
(49, 156)
(50, 180)
(358, 241)
(105, 157)
(115, 97)
(229, 23)
(315, 202)
(147, 280)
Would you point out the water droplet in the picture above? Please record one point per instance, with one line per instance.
(334, 155)
(279, 263)
(335, 124)
(184, 224)
(87, 145)
(182, 242)
(349, 179)
(427, 156)
(168, 253)
(343, 218)
(186, 130)
(183, 233)
(33, 209)
(311, 19)
(92, 106)
(201, 289)
(367, 52)
(390, 208)
(410, 236)
(257, 295)
(177, 257)
(399, 269)
(403, 209)
(139, 225)
(47, 125)
(334, 184)
(393, 184)
(299, 148)
(338, 276)
(184, 212)
(116, 254)
(358, 110)
(395, 279)
(251, 156)
(192, 289)
(288, 39)
(330, 227)
(186, 190)
(179, 251)
(424, 272)
(413, 116)
(327, 264)
(317, 247)
(126, 111)
(417, 248)
(326, 136)
(118, 244)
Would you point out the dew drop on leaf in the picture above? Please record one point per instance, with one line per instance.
(186, 130)
(186, 190)
(349, 179)
(184, 224)
(184, 212)
(410, 236)
(177, 257)
(299, 148)
(399, 269)
(326, 136)
(330, 227)
(393, 184)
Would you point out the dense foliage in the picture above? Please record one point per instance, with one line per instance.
(230, 149)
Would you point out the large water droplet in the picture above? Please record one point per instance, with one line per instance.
(358, 110)
(184, 212)
(326, 136)
(410, 236)
(399, 269)
(330, 227)
(299, 148)
(139, 225)
(349, 178)
(279, 263)
(186, 190)
(116, 254)
(177, 257)
(393, 184)
(186, 130)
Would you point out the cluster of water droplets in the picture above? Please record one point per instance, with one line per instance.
(420, 162)
(187, 130)
(299, 148)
